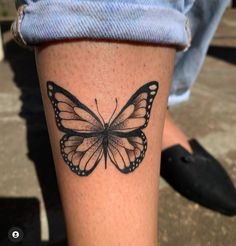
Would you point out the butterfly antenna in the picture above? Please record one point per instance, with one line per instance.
(113, 112)
(96, 102)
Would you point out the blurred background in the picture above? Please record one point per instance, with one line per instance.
(29, 196)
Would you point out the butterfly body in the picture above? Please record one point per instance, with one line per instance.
(105, 141)
(88, 139)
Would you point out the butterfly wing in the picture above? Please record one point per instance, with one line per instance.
(136, 113)
(82, 155)
(127, 143)
(126, 153)
(72, 116)
(81, 146)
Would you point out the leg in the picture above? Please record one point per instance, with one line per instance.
(188, 64)
(108, 207)
(173, 135)
(203, 179)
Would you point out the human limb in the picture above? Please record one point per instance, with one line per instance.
(173, 134)
(155, 22)
(108, 207)
(193, 171)
(188, 64)
(204, 17)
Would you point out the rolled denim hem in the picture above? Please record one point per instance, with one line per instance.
(176, 99)
(53, 20)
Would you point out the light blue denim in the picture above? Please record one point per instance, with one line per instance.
(204, 17)
(152, 21)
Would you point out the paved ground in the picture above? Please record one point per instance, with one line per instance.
(27, 175)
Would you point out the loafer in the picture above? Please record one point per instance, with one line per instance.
(199, 177)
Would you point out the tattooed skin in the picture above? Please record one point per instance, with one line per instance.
(88, 139)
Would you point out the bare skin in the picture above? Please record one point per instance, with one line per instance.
(108, 207)
(173, 135)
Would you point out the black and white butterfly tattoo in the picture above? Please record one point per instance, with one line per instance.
(88, 138)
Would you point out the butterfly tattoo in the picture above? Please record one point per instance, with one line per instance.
(88, 138)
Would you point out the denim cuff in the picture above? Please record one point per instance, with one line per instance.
(40, 21)
(178, 98)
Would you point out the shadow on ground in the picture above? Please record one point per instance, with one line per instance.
(22, 63)
(23, 213)
(227, 54)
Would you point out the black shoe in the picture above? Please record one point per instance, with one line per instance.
(199, 177)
